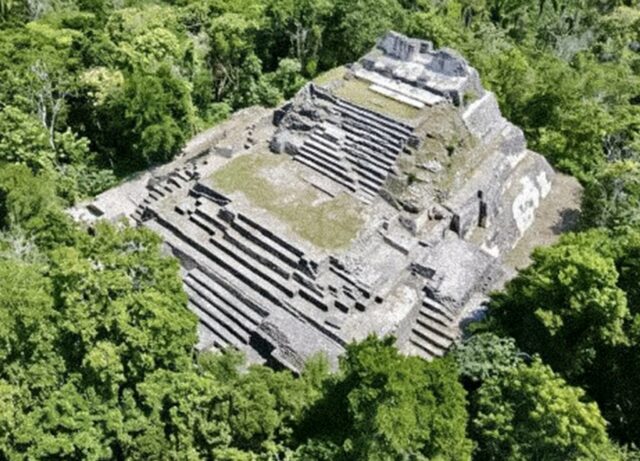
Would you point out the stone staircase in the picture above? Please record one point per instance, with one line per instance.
(240, 272)
(359, 151)
(434, 330)
(176, 180)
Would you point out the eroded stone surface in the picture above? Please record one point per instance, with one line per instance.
(382, 201)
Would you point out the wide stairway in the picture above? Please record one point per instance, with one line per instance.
(363, 154)
(237, 272)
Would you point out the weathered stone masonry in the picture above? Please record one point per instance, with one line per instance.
(445, 187)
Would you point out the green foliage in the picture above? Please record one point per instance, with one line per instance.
(529, 412)
(612, 197)
(387, 406)
(486, 355)
(565, 306)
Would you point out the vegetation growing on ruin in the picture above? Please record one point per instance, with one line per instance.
(358, 92)
(329, 223)
(95, 337)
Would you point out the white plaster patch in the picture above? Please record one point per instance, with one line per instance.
(492, 250)
(525, 204)
(544, 184)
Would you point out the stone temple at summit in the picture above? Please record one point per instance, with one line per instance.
(382, 199)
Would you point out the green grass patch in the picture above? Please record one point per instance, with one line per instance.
(358, 92)
(337, 73)
(271, 182)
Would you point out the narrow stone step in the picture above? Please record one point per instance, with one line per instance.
(314, 153)
(375, 117)
(329, 152)
(321, 139)
(323, 171)
(326, 163)
(237, 325)
(357, 154)
(270, 235)
(230, 253)
(251, 239)
(439, 308)
(220, 323)
(373, 134)
(237, 303)
(372, 174)
(185, 242)
(425, 348)
(361, 138)
(381, 130)
(438, 335)
(207, 338)
(435, 316)
(368, 185)
(222, 337)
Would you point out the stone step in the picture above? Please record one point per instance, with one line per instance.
(371, 173)
(425, 349)
(248, 247)
(207, 338)
(221, 335)
(360, 137)
(186, 241)
(271, 236)
(388, 135)
(210, 312)
(311, 150)
(207, 211)
(232, 298)
(313, 299)
(437, 333)
(155, 196)
(358, 153)
(325, 172)
(375, 117)
(321, 139)
(198, 221)
(240, 326)
(181, 175)
(331, 152)
(439, 308)
(238, 230)
(336, 167)
(230, 252)
(437, 317)
(365, 131)
(369, 162)
(433, 338)
(173, 181)
(368, 185)
(372, 133)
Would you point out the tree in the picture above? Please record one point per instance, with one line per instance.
(484, 356)
(611, 197)
(386, 406)
(566, 306)
(529, 412)
(358, 23)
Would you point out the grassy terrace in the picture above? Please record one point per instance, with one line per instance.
(358, 92)
(271, 182)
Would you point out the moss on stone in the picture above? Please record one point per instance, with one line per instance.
(337, 73)
(271, 182)
(358, 92)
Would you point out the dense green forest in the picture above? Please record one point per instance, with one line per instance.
(96, 357)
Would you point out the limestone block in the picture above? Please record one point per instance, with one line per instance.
(483, 117)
